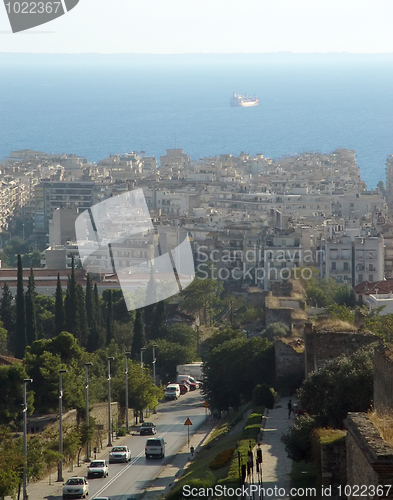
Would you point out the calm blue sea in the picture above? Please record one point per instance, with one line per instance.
(97, 105)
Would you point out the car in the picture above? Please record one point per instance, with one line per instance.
(155, 447)
(147, 428)
(183, 389)
(191, 385)
(98, 468)
(76, 487)
(119, 454)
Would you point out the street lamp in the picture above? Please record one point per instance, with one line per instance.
(154, 363)
(87, 411)
(109, 402)
(126, 374)
(142, 349)
(25, 437)
(60, 467)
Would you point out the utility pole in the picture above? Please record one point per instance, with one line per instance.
(87, 410)
(60, 467)
(154, 363)
(126, 374)
(25, 381)
(110, 358)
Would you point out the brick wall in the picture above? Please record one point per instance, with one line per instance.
(369, 457)
(383, 379)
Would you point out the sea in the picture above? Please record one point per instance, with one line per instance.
(96, 105)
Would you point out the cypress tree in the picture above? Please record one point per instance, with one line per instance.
(7, 313)
(90, 305)
(82, 330)
(71, 304)
(138, 340)
(159, 321)
(20, 328)
(31, 319)
(149, 310)
(109, 319)
(97, 306)
(59, 308)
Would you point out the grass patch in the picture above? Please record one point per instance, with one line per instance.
(248, 439)
(304, 475)
(330, 436)
(384, 423)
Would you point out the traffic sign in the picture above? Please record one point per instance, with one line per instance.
(188, 422)
(206, 404)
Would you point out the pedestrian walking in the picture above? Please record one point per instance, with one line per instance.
(289, 408)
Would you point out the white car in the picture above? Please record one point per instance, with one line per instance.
(98, 468)
(119, 454)
(76, 487)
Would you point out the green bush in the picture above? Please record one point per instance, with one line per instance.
(222, 459)
(207, 482)
(121, 431)
(262, 395)
(298, 441)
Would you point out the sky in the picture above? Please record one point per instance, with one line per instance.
(210, 26)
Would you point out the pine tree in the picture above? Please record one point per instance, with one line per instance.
(82, 330)
(20, 328)
(59, 308)
(109, 319)
(31, 319)
(138, 340)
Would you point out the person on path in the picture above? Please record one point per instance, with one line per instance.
(289, 408)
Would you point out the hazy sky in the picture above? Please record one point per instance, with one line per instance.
(221, 26)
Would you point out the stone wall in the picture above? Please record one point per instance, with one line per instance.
(333, 466)
(369, 457)
(323, 346)
(288, 360)
(383, 379)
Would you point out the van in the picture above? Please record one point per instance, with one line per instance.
(155, 447)
(172, 391)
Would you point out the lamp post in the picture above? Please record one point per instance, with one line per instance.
(60, 467)
(143, 349)
(126, 374)
(25, 437)
(87, 411)
(109, 402)
(154, 363)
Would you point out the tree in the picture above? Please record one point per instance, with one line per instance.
(7, 312)
(11, 463)
(71, 304)
(233, 369)
(169, 355)
(276, 331)
(20, 340)
(11, 395)
(342, 385)
(59, 308)
(31, 320)
(158, 321)
(138, 340)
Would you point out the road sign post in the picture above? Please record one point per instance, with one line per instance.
(188, 423)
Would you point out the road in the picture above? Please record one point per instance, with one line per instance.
(128, 480)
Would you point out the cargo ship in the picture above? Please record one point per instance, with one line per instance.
(238, 100)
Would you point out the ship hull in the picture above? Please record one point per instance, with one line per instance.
(241, 102)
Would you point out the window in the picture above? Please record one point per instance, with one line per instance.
(360, 278)
(333, 266)
(346, 266)
(370, 277)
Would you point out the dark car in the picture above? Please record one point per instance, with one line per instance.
(147, 428)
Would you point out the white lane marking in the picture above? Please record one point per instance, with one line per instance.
(111, 481)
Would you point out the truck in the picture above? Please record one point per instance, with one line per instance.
(193, 369)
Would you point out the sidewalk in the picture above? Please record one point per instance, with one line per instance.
(276, 466)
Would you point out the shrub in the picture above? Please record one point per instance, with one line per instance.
(299, 438)
(208, 482)
(121, 431)
(263, 396)
(222, 459)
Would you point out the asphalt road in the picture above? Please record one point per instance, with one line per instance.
(130, 480)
